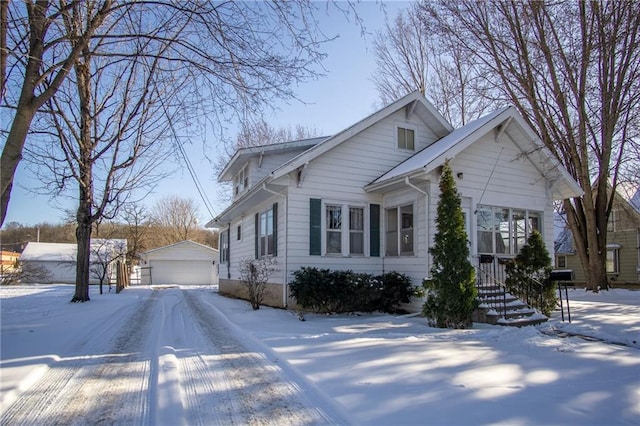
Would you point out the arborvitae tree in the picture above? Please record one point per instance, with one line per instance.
(452, 293)
(528, 273)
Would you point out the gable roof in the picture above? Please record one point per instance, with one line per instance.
(414, 102)
(423, 158)
(242, 155)
(635, 200)
(179, 244)
(51, 252)
(67, 252)
(433, 156)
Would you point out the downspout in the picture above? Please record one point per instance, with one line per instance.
(426, 214)
(286, 238)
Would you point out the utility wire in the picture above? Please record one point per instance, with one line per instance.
(190, 168)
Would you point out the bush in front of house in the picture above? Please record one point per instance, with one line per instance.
(451, 296)
(528, 273)
(324, 290)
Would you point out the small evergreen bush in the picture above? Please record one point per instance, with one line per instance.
(323, 290)
(528, 275)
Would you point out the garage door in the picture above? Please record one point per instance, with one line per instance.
(182, 272)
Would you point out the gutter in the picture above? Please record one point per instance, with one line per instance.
(426, 214)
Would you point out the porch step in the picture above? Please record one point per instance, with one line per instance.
(518, 314)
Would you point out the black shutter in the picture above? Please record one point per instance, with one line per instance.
(257, 232)
(275, 229)
(374, 230)
(315, 226)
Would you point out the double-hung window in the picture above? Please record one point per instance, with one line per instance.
(265, 233)
(241, 181)
(224, 247)
(356, 230)
(612, 261)
(334, 229)
(406, 138)
(399, 231)
(344, 235)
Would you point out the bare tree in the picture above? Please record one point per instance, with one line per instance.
(230, 58)
(39, 57)
(137, 220)
(409, 57)
(573, 71)
(25, 273)
(175, 218)
(104, 253)
(143, 77)
(255, 274)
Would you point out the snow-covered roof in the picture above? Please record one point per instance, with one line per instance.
(51, 252)
(241, 156)
(184, 243)
(440, 147)
(433, 156)
(67, 252)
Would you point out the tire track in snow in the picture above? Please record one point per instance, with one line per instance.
(105, 386)
(265, 394)
(185, 388)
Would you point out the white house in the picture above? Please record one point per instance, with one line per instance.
(59, 259)
(365, 199)
(186, 262)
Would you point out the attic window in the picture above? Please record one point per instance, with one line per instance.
(406, 138)
(241, 181)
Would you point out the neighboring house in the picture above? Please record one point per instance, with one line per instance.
(623, 244)
(365, 199)
(59, 259)
(186, 262)
(8, 261)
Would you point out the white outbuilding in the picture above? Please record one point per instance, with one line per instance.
(58, 260)
(185, 263)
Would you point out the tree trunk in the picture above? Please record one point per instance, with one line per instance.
(83, 236)
(12, 154)
(84, 215)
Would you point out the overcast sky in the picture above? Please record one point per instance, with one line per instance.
(344, 96)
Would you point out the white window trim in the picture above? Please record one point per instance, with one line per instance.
(260, 254)
(224, 251)
(529, 213)
(415, 136)
(398, 207)
(239, 180)
(345, 232)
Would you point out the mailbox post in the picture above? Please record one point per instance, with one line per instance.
(564, 278)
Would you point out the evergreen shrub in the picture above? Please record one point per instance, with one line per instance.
(451, 291)
(528, 275)
(324, 290)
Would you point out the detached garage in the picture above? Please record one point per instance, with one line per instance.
(186, 263)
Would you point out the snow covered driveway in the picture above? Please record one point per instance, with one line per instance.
(163, 356)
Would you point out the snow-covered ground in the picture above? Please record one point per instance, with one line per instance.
(189, 356)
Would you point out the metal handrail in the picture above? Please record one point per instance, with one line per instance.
(500, 307)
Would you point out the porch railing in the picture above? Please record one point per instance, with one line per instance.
(491, 275)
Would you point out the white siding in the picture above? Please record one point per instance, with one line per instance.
(496, 174)
(338, 177)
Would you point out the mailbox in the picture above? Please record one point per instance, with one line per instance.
(561, 275)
